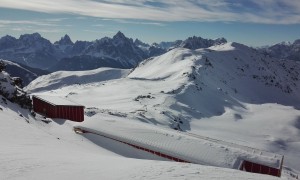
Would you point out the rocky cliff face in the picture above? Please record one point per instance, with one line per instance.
(10, 89)
(198, 42)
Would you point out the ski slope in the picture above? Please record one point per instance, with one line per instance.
(33, 149)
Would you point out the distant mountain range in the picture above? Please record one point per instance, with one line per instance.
(284, 50)
(119, 51)
(32, 50)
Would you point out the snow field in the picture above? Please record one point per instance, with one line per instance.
(32, 149)
(179, 145)
(228, 92)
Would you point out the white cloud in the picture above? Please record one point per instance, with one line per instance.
(28, 22)
(98, 25)
(100, 32)
(28, 26)
(126, 21)
(263, 11)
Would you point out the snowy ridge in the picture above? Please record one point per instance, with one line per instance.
(60, 79)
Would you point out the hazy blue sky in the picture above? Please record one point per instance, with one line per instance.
(252, 22)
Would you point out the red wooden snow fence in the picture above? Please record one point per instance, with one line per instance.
(244, 166)
(57, 107)
(252, 167)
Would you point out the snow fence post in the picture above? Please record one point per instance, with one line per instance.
(280, 170)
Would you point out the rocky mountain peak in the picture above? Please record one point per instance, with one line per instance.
(66, 40)
(7, 38)
(33, 36)
(119, 35)
(221, 40)
(7, 42)
(199, 42)
(138, 42)
(34, 40)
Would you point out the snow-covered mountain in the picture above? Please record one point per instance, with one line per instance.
(199, 42)
(119, 51)
(65, 44)
(27, 74)
(35, 51)
(284, 50)
(228, 91)
(169, 45)
(79, 47)
(30, 49)
(150, 50)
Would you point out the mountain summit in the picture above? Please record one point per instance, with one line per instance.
(119, 36)
(30, 49)
(66, 40)
(199, 42)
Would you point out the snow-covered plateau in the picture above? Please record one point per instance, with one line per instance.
(228, 92)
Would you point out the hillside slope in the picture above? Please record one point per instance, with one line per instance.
(60, 79)
(229, 92)
(32, 149)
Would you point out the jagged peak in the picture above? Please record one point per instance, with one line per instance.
(119, 35)
(66, 40)
(8, 37)
(33, 35)
(196, 42)
(221, 40)
(66, 37)
(139, 42)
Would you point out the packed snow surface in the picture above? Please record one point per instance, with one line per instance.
(191, 148)
(32, 149)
